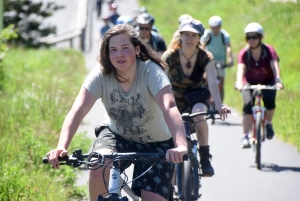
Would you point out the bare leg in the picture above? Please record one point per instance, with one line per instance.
(270, 114)
(150, 196)
(201, 126)
(247, 123)
(96, 183)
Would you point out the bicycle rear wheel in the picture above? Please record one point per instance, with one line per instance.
(195, 178)
(258, 139)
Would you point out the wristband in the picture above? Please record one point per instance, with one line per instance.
(278, 80)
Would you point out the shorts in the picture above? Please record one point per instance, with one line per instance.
(157, 179)
(221, 72)
(268, 99)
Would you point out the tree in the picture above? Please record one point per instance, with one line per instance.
(27, 17)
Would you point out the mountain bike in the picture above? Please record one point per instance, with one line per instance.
(258, 120)
(188, 173)
(95, 160)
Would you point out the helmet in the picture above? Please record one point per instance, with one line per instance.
(143, 9)
(254, 27)
(183, 17)
(124, 19)
(215, 21)
(145, 18)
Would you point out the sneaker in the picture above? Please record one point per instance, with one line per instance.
(270, 131)
(246, 142)
(205, 157)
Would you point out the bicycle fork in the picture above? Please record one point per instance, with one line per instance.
(262, 110)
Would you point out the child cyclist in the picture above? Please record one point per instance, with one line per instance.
(141, 113)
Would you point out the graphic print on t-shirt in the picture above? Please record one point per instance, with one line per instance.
(130, 115)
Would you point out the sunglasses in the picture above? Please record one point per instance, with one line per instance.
(145, 28)
(254, 37)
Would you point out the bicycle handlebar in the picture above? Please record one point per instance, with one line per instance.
(210, 115)
(219, 65)
(77, 158)
(260, 87)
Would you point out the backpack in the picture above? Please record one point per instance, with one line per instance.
(154, 39)
(209, 39)
(265, 51)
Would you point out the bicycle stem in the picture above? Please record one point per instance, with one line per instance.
(114, 179)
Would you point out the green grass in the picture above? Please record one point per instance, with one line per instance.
(37, 90)
(281, 22)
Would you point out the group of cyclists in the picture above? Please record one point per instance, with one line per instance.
(143, 85)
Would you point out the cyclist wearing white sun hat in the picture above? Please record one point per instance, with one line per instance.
(217, 41)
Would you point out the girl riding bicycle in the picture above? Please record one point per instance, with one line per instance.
(141, 113)
(258, 63)
(187, 63)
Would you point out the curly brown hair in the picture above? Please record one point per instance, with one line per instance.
(146, 51)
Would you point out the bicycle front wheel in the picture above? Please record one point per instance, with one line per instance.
(258, 139)
(187, 180)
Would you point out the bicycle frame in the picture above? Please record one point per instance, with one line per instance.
(257, 109)
(115, 181)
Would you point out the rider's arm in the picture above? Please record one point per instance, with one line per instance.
(166, 102)
(240, 72)
(81, 106)
(229, 55)
(211, 74)
(275, 67)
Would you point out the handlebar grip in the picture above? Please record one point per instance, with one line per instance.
(185, 157)
(65, 158)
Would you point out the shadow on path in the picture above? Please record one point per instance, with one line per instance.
(276, 168)
(226, 123)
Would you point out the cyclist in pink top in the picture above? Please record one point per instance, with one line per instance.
(258, 63)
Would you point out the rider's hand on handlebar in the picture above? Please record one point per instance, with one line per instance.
(175, 155)
(230, 63)
(53, 156)
(223, 110)
(238, 85)
(279, 85)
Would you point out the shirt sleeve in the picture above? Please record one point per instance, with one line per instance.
(272, 53)
(166, 57)
(241, 57)
(93, 83)
(157, 78)
(205, 37)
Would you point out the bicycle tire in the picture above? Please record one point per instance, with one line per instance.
(258, 139)
(187, 181)
(195, 179)
(184, 183)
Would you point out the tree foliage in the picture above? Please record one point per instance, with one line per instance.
(27, 16)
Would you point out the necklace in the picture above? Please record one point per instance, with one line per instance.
(188, 64)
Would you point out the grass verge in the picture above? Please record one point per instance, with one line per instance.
(38, 88)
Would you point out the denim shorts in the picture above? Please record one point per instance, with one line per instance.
(157, 179)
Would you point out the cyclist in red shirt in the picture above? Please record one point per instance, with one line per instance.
(258, 63)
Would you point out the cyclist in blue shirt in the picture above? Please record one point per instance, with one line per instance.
(217, 41)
